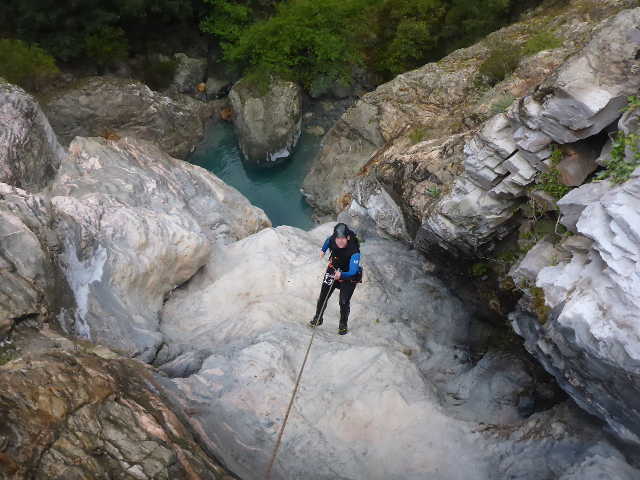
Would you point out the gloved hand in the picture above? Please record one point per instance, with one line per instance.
(321, 254)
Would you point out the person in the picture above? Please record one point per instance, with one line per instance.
(343, 272)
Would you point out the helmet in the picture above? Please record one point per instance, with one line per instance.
(341, 231)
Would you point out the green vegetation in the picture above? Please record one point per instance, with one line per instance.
(505, 57)
(317, 43)
(434, 192)
(539, 305)
(480, 269)
(625, 158)
(541, 41)
(106, 46)
(7, 353)
(64, 28)
(417, 135)
(501, 62)
(550, 181)
(26, 65)
(502, 103)
(320, 42)
(634, 102)
(305, 40)
(158, 73)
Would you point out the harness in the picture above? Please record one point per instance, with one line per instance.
(333, 260)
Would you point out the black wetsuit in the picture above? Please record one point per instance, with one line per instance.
(346, 260)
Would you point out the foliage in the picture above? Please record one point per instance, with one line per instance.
(503, 59)
(107, 45)
(541, 41)
(399, 35)
(304, 40)
(417, 135)
(434, 192)
(227, 19)
(158, 73)
(479, 269)
(25, 65)
(550, 181)
(502, 103)
(539, 304)
(319, 42)
(634, 102)
(63, 27)
(625, 158)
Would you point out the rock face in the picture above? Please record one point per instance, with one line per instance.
(268, 124)
(29, 150)
(31, 285)
(82, 412)
(591, 341)
(108, 106)
(136, 224)
(476, 178)
(400, 386)
(588, 299)
(189, 73)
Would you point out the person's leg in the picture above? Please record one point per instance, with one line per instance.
(328, 286)
(346, 291)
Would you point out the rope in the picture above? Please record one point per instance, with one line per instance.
(295, 389)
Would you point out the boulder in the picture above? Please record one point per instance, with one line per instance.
(136, 224)
(525, 272)
(29, 150)
(573, 203)
(216, 87)
(114, 107)
(28, 273)
(75, 410)
(189, 73)
(578, 162)
(268, 123)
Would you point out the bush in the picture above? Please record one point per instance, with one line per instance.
(158, 74)
(503, 59)
(26, 65)
(106, 46)
(550, 181)
(539, 42)
(625, 158)
(502, 103)
(303, 41)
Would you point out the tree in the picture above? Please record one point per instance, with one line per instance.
(303, 41)
(106, 46)
(25, 65)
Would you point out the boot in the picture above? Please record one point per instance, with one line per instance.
(316, 322)
(342, 329)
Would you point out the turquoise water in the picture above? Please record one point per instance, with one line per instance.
(276, 190)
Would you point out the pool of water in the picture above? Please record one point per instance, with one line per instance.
(276, 190)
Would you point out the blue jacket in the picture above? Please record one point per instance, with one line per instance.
(354, 262)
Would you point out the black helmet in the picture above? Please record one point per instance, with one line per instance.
(341, 231)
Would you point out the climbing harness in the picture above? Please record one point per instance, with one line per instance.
(328, 279)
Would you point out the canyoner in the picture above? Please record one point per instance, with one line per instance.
(343, 272)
